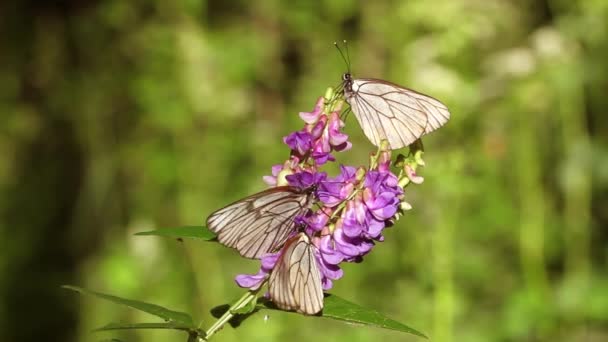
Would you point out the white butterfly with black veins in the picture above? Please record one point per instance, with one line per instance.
(387, 111)
(295, 281)
(261, 223)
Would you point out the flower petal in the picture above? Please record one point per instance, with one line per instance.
(252, 282)
(312, 117)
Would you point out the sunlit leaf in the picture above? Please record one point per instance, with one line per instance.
(153, 309)
(197, 232)
(343, 310)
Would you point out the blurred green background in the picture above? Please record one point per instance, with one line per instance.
(119, 117)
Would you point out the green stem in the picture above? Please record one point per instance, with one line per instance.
(227, 316)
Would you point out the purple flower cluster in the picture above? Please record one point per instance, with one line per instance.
(312, 146)
(354, 207)
(320, 135)
(365, 208)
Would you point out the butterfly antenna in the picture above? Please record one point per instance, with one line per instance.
(346, 61)
(347, 55)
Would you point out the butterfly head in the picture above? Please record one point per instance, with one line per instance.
(347, 82)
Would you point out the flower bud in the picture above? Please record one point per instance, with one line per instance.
(329, 93)
(384, 161)
(411, 174)
(418, 157)
(405, 206)
(384, 145)
(281, 177)
(360, 174)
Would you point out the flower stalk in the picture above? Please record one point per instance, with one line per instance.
(247, 298)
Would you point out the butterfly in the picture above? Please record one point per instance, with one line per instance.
(261, 223)
(387, 111)
(295, 281)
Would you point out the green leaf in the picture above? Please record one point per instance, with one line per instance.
(156, 310)
(197, 232)
(130, 326)
(343, 310)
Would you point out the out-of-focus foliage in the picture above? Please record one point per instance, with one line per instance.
(124, 116)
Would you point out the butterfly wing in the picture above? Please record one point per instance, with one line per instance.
(295, 281)
(261, 223)
(387, 111)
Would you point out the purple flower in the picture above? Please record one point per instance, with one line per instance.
(331, 194)
(379, 182)
(353, 222)
(328, 251)
(382, 206)
(305, 179)
(254, 281)
(318, 220)
(272, 180)
(384, 161)
(331, 137)
(336, 138)
(334, 191)
(381, 197)
(374, 227)
(312, 117)
(411, 174)
(300, 142)
(322, 144)
(347, 174)
(329, 271)
(317, 130)
(351, 248)
(320, 154)
(322, 157)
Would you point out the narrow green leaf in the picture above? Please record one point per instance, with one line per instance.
(156, 310)
(131, 326)
(340, 309)
(197, 232)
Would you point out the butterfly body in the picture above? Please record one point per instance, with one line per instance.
(387, 111)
